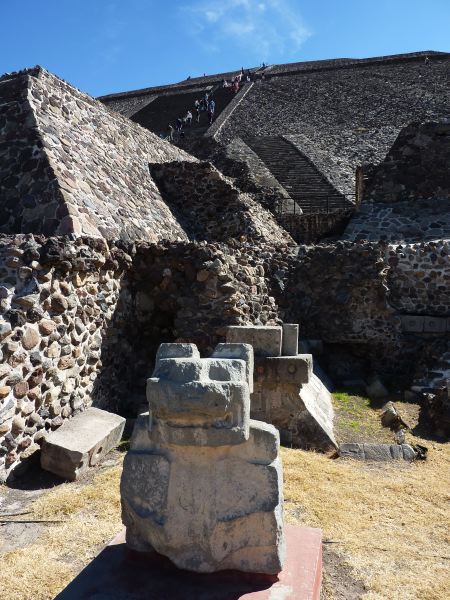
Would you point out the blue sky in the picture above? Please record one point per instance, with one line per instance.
(103, 46)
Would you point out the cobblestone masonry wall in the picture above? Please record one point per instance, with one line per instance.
(209, 207)
(361, 301)
(57, 297)
(81, 320)
(419, 278)
(404, 221)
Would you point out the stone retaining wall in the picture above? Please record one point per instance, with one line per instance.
(418, 278)
(57, 299)
(81, 320)
(402, 221)
(73, 166)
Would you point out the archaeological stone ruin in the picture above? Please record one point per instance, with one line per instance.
(286, 391)
(202, 482)
(332, 215)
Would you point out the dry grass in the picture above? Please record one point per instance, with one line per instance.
(391, 520)
(91, 516)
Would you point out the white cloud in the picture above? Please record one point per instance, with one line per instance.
(263, 28)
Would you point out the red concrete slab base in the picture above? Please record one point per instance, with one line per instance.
(119, 574)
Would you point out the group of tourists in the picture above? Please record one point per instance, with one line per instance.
(205, 105)
(237, 81)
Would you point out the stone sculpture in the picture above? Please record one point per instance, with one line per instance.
(202, 483)
(287, 393)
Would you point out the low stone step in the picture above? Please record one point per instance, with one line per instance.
(81, 442)
(385, 452)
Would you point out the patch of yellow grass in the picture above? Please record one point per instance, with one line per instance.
(91, 517)
(391, 519)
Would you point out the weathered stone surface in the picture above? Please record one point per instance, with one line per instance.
(266, 341)
(289, 346)
(207, 499)
(239, 351)
(81, 443)
(30, 338)
(377, 452)
(287, 394)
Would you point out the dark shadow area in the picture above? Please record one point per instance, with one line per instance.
(425, 430)
(120, 574)
(31, 477)
(143, 319)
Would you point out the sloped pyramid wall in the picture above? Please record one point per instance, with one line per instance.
(69, 165)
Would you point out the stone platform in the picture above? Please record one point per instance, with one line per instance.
(120, 574)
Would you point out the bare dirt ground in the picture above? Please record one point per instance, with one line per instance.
(385, 525)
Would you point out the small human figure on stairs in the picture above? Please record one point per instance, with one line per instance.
(188, 118)
(170, 132)
(197, 110)
(211, 110)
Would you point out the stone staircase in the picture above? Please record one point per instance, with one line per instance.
(305, 184)
(167, 108)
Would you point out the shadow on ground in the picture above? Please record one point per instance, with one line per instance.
(119, 574)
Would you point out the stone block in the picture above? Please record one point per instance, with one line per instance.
(240, 351)
(81, 442)
(202, 397)
(351, 450)
(202, 483)
(314, 424)
(289, 346)
(266, 341)
(177, 351)
(377, 452)
(284, 369)
(434, 325)
(412, 324)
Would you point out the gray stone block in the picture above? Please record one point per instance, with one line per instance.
(412, 324)
(240, 351)
(266, 341)
(377, 452)
(289, 346)
(352, 450)
(81, 442)
(434, 324)
(285, 369)
(177, 351)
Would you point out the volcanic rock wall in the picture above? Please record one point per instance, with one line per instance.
(403, 221)
(416, 167)
(210, 208)
(81, 320)
(57, 297)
